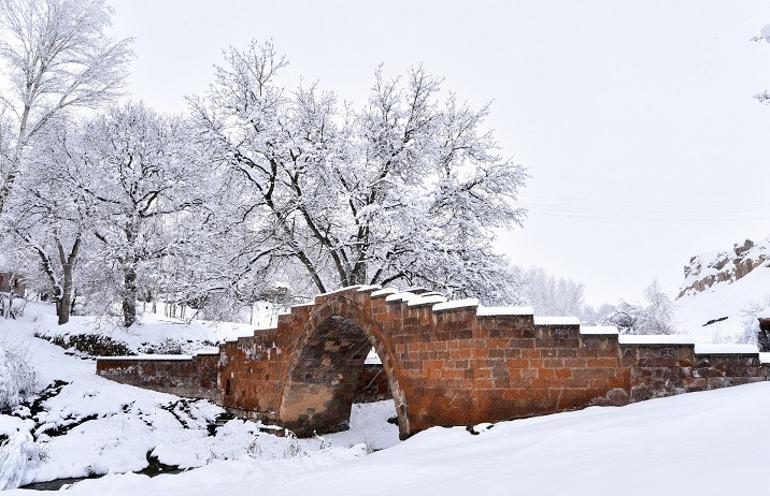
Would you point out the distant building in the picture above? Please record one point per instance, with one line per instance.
(12, 282)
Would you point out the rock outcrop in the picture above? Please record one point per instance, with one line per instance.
(707, 269)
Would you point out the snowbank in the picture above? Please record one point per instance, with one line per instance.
(707, 443)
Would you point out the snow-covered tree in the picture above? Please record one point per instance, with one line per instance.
(55, 55)
(596, 315)
(50, 213)
(6, 143)
(127, 206)
(654, 317)
(141, 171)
(550, 295)
(406, 189)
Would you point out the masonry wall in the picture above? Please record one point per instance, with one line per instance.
(194, 378)
(372, 385)
(661, 370)
(251, 374)
(443, 364)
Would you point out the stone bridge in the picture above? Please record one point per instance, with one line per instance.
(446, 363)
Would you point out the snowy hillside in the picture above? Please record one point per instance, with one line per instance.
(724, 293)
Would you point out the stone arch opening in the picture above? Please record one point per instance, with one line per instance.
(324, 374)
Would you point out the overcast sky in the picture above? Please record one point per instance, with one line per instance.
(635, 119)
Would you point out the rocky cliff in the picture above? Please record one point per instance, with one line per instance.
(707, 269)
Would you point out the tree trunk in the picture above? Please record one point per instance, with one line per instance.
(358, 275)
(64, 303)
(13, 170)
(129, 297)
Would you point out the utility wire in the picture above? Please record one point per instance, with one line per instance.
(669, 211)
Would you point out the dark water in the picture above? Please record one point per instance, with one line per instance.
(154, 468)
(57, 484)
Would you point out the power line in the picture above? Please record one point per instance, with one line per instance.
(578, 215)
(673, 211)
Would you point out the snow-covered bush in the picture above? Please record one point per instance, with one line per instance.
(597, 315)
(654, 317)
(18, 379)
(750, 315)
(18, 453)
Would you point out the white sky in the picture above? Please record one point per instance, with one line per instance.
(636, 119)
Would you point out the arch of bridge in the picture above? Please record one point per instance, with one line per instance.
(326, 364)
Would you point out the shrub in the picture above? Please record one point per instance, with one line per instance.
(18, 454)
(18, 379)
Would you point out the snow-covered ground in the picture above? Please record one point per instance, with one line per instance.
(89, 425)
(729, 306)
(711, 443)
(154, 333)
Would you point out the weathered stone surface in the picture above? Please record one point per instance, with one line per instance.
(372, 385)
(194, 378)
(703, 271)
(442, 367)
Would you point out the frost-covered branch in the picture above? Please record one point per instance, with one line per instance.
(58, 56)
(407, 188)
